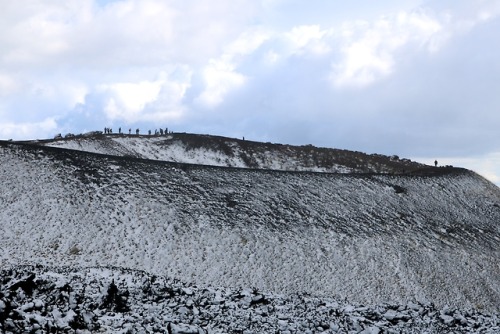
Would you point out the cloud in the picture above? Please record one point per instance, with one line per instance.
(127, 100)
(369, 49)
(308, 38)
(155, 100)
(28, 130)
(127, 32)
(407, 83)
(8, 85)
(103, 60)
(399, 77)
(220, 75)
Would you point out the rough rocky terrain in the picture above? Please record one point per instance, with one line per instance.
(422, 246)
(113, 300)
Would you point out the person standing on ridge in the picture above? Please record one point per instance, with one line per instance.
(435, 163)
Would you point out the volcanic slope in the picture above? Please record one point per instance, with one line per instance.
(230, 152)
(368, 238)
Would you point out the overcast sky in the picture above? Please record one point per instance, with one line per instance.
(420, 79)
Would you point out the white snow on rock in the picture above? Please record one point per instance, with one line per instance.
(99, 300)
(366, 238)
(366, 253)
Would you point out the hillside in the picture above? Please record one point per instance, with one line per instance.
(430, 235)
(230, 152)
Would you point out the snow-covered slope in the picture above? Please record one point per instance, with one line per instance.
(432, 236)
(229, 152)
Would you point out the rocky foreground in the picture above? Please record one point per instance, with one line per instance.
(36, 299)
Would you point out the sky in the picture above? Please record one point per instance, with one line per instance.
(413, 78)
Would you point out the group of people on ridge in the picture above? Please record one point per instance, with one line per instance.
(160, 132)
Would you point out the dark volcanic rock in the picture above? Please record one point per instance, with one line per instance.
(83, 306)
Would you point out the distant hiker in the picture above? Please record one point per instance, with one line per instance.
(129, 131)
(137, 131)
(156, 132)
(119, 130)
(161, 132)
(435, 163)
(149, 132)
(166, 130)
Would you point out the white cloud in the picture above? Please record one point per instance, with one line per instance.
(142, 100)
(271, 57)
(128, 99)
(132, 102)
(70, 50)
(220, 75)
(8, 85)
(38, 32)
(369, 50)
(169, 105)
(247, 42)
(308, 38)
(80, 33)
(33, 130)
(220, 78)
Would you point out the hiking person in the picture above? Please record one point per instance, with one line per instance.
(137, 131)
(435, 163)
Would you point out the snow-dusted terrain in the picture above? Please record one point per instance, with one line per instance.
(429, 237)
(113, 300)
(229, 152)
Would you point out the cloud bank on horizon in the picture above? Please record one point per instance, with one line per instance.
(415, 78)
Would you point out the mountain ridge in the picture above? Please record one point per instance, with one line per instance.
(231, 152)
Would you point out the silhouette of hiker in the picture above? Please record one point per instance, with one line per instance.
(435, 163)
(137, 131)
